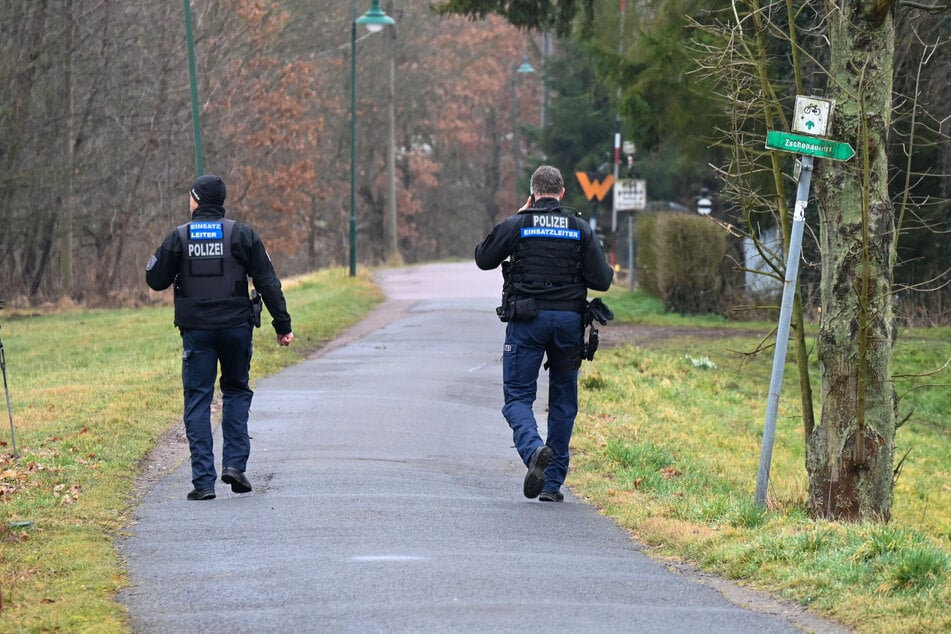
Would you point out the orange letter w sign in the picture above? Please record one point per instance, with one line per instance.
(595, 189)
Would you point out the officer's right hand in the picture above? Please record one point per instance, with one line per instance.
(285, 340)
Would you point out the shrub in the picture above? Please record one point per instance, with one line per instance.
(685, 255)
(646, 260)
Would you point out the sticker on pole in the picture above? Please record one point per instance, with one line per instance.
(812, 115)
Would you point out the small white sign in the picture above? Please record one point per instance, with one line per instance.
(704, 206)
(812, 115)
(630, 194)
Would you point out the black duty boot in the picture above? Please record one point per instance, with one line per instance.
(239, 483)
(535, 478)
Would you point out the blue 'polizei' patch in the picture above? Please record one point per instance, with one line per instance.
(550, 232)
(205, 231)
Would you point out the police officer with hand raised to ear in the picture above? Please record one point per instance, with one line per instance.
(553, 259)
(209, 261)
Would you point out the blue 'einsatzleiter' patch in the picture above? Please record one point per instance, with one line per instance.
(551, 232)
(205, 231)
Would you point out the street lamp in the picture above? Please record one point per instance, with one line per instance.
(193, 83)
(524, 68)
(391, 251)
(374, 19)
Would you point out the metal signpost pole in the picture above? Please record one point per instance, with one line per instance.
(782, 335)
(617, 164)
(630, 252)
(6, 389)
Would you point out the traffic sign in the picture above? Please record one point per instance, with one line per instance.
(630, 194)
(596, 188)
(704, 206)
(822, 148)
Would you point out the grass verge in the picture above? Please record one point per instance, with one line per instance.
(92, 392)
(668, 444)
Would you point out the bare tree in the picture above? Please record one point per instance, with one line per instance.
(845, 50)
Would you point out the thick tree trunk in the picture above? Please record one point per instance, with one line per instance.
(850, 454)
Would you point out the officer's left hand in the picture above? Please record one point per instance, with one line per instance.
(285, 340)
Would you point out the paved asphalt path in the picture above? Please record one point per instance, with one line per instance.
(388, 498)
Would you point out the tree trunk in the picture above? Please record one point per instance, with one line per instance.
(850, 454)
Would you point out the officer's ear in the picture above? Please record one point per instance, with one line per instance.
(562, 194)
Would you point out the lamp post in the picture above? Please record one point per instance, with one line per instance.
(522, 69)
(196, 118)
(374, 19)
(391, 253)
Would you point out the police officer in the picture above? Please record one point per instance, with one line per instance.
(554, 258)
(209, 261)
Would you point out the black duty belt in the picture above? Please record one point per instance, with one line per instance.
(574, 305)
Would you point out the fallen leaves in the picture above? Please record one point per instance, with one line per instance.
(18, 476)
(15, 477)
(15, 537)
(68, 495)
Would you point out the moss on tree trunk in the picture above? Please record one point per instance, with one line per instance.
(850, 453)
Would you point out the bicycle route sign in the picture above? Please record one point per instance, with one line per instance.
(812, 115)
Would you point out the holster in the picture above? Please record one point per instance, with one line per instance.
(597, 311)
(515, 309)
(590, 346)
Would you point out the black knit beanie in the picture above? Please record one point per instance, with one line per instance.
(209, 190)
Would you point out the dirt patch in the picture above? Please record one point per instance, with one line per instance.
(614, 335)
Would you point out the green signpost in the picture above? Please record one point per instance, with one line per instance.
(813, 146)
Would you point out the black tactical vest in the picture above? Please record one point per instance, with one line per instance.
(548, 251)
(208, 268)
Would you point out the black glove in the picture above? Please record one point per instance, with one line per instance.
(256, 306)
(598, 311)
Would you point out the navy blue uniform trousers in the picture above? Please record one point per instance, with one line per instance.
(202, 350)
(559, 334)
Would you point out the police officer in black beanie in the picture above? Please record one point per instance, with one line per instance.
(209, 261)
(554, 258)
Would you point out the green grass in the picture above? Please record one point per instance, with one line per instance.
(92, 392)
(668, 443)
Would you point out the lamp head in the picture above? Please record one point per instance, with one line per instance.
(375, 19)
(525, 67)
